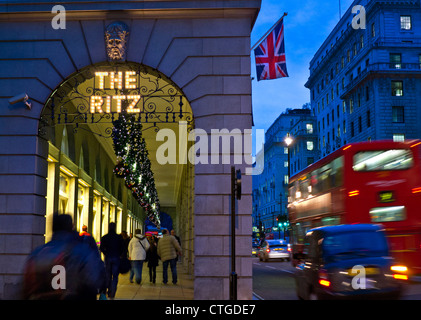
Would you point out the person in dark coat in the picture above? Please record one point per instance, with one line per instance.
(153, 259)
(64, 268)
(112, 246)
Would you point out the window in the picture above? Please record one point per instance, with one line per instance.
(419, 59)
(398, 137)
(360, 124)
(309, 128)
(352, 129)
(355, 49)
(398, 115)
(406, 23)
(380, 160)
(368, 119)
(310, 145)
(362, 42)
(397, 88)
(373, 30)
(351, 106)
(395, 60)
(348, 56)
(367, 93)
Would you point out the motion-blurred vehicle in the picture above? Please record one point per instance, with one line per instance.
(366, 182)
(254, 249)
(274, 249)
(348, 261)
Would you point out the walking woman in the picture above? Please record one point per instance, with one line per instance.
(152, 257)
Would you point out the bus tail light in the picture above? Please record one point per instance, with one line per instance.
(400, 276)
(416, 190)
(402, 270)
(399, 268)
(353, 193)
(268, 250)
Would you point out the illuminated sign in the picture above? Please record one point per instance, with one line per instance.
(113, 103)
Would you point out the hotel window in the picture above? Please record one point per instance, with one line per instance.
(344, 126)
(395, 60)
(339, 131)
(342, 62)
(355, 49)
(337, 89)
(406, 23)
(309, 128)
(351, 106)
(348, 56)
(368, 119)
(373, 30)
(419, 60)
(398, 114)
(310, 145)
(397, 88)
(362, 42)
(360, 124)
(285, 164)
(398, 137)
(352, 129)
(344, 106)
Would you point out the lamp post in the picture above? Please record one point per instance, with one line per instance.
(288, 141)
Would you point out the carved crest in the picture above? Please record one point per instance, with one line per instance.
(116, 38)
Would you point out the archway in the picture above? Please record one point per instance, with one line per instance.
(88, 104)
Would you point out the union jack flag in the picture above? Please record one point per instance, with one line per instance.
(270, 55)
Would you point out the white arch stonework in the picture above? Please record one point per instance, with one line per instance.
(204, 48)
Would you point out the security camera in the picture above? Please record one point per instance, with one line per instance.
(23, 97)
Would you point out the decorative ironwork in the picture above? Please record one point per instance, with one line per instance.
(160, 101)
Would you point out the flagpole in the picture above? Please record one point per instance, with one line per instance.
(270, 30)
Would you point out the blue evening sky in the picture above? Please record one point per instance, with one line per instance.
(307, 25)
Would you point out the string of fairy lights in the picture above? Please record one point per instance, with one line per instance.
(134, 166)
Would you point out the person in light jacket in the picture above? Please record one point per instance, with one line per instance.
(168, 249)
(137, 255)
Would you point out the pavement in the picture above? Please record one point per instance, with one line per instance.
(183, 290)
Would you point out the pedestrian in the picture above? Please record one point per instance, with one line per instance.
(126, 241)
(168, 249)
(178, 239)
(137, 254)
(153, 259)
(84, 231)
(64, 268)
(112, 247)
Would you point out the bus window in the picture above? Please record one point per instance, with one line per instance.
(381, 160)
(324, 177)
(331, 221)
(337, 171)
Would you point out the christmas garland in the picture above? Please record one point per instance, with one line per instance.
(134, 166)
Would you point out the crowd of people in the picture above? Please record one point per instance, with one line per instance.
(85, 275)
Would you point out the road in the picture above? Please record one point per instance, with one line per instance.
(274, 280)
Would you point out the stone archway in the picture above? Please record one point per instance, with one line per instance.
(88, 104)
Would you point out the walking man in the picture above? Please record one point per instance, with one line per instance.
(112, 247)
(168, 249)
(137, 254)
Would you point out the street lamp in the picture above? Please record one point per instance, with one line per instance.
(288, 141)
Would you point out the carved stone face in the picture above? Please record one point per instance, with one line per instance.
(116, 37)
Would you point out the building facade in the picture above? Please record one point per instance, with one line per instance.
(365, 83)
(180, 65)
(269, 188)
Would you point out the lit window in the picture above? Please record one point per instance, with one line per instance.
(398, 137)
(395, 60)
(310, 145)
(397, 88)
(406, 23)
(309, 127)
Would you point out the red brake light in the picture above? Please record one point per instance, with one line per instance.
(323, 278)
(325, 283)
(353, 193)
(416, 190)
(267, 250)
(400, 276)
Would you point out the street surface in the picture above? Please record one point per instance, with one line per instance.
(274, 280)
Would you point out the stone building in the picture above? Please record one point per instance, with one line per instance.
(365, 79)
(184, 64)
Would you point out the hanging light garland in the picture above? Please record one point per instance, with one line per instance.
(134, 166)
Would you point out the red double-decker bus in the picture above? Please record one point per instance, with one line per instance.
(367, 182)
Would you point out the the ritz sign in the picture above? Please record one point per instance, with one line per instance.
(113, 103)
